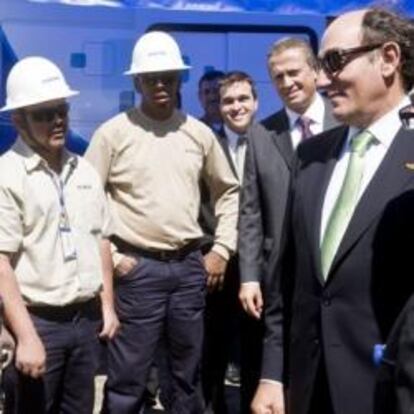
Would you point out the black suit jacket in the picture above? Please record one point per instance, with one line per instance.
(394, 392)
(368, 284)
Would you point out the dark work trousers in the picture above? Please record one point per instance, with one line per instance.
(157, 298)
(70, 338)
(222, 341)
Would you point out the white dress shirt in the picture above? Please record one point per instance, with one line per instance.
(237, 152)
(384, 130)
(315, 112)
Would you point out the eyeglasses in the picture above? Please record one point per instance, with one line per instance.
(166, 78)
(335, 60)
(407, 116)
(49, 114)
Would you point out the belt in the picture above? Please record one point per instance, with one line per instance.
(162, 255)
(67, 312)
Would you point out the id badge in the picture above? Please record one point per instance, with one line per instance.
(68, 246)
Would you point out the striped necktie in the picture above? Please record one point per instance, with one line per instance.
(304, 124)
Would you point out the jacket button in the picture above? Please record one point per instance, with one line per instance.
(326, 301)
(316, 341)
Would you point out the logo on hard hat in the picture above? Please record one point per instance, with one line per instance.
(52, 79)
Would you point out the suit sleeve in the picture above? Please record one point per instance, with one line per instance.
(250, 222)
(278, 300)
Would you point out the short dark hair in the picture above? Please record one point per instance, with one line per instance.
(238, 76)
(210, 76)
(380, 25)
(294, 43)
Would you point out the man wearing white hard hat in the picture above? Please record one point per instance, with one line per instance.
(151, 159)
(55, 263)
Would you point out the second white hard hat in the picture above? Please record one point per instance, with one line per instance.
(156, 52)
(35, 80)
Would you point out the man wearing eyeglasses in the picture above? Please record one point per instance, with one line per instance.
(151, 159)
(352, 207)
(55, 258)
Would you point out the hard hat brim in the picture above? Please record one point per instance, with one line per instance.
(134, 71)
(36, 101)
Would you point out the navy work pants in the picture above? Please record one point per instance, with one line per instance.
(158, 298)
(70, 337)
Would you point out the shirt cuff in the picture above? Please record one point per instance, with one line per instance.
(251, 283)
(221, 250)
(270, 381)
(116, 256)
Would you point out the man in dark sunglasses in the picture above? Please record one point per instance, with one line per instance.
(352, 206)
(55, 263)
(151, 160)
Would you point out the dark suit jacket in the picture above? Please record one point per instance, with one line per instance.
(394, 391)
(263, 202)
(279, 123)
(368, 284)
(207, 219)
(269, 161)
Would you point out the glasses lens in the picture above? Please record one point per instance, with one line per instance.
(407, 116)
(48, 114)
(332, 61)
(164, 78)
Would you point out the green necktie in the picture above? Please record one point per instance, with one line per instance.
(347, 199)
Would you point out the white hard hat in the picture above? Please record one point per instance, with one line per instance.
(156, 52)
(34, 80)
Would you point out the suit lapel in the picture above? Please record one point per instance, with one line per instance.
(284, 144)
(388, 182)
(224, 144)
(316, 190)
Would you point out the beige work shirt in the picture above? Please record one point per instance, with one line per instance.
(152, 170)
(31, 212)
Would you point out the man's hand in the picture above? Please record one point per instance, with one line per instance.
(126, 264)
(269, 399)
(215, 266)
(7, 347)
(111, 323)
(250, 296)
(31, 356)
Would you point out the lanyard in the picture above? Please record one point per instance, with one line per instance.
(65, 231)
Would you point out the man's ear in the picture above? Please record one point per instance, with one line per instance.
(19, 120)
(391, 59)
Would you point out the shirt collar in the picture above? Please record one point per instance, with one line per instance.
(232, 137)
(32, 160)
(385, 128)
(315, 112)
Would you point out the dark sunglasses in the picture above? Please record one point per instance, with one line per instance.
(407, 116)
(165, 78)
(49, 114)
(335, 60)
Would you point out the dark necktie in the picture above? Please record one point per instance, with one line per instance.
(304, 124)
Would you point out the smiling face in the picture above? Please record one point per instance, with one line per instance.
(293, 78)
(238, 106)
(364, 89)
